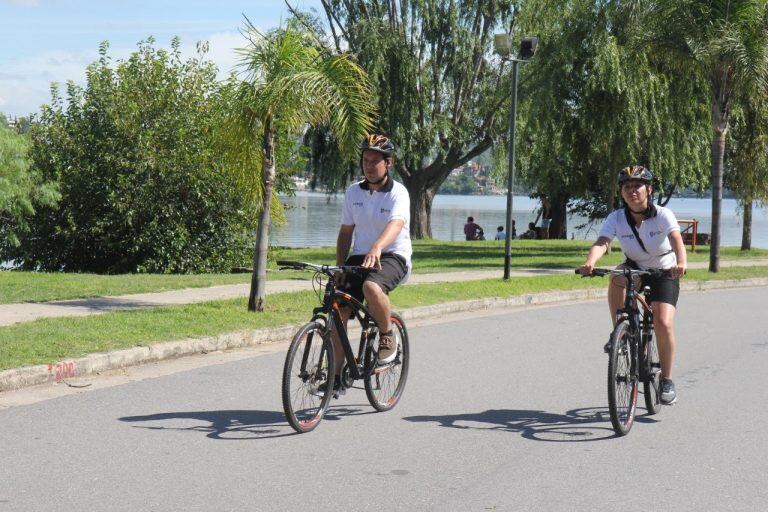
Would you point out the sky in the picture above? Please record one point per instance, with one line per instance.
(45, 41)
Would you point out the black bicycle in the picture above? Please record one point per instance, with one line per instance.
(634, 356)
(308, 374)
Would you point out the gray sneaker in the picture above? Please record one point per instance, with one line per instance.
(337, 389)
(668, 395)
(387, 348)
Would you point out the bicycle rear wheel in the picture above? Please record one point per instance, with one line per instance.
(308, 377)
(384, 385)
(622, 381)
(652, 384)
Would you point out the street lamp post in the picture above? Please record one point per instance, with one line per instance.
(503, 46)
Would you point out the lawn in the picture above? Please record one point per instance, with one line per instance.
(429, 256)
(53, 339)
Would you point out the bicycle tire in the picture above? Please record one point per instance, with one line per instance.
(652, 383)
(307, 367)
(384, 385)
(622, 384)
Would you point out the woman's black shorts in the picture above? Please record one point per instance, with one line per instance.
(393, 270)
(663, 288)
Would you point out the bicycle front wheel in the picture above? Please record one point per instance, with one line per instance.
(384, 385)
(652, 384)
(308, 377)
(622, 380)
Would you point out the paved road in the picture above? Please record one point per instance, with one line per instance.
(502, 412)
(25, 312)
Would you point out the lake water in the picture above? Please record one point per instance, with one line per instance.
(313, 218)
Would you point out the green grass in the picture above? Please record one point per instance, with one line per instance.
(44, 286)
(50, 340)
(429, 256)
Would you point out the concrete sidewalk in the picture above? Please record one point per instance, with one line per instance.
(26, 312)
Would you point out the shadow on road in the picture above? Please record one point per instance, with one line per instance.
(233, 425)
(576, 425)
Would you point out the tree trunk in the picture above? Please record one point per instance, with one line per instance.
(559, 226)
(720, 127)
(421, 213)
(257, 296)
(421, 195)
(423, 183)
(611, 202)
(746, 232)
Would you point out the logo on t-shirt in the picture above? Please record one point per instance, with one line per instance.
(385, 210)
(358, 204)
(628, 237)
(654, 233)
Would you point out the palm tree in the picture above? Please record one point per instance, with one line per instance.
(292, 82)
(727, 41)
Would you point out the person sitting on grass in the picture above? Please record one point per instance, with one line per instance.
(531, 233)
(473, 231)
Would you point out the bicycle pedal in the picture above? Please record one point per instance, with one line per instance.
(383, 368)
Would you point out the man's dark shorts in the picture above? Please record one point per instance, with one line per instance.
(663, 289)
(393, 270)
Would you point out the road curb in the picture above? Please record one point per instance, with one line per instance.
(18, 378)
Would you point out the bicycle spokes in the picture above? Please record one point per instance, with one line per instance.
(622, 380)
(307, 378)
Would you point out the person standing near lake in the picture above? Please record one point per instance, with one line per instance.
(650, 238)
(546, 216)
(377, 212)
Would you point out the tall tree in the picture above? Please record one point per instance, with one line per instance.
(726, 41)
(593, 102)
(293, 81)
(747, 157)
(140, 181)
(21, 189)
(440, 90)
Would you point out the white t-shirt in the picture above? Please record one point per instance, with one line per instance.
(370, 211)
(653, 232)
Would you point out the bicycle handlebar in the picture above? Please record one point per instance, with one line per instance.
(328, 270)
(600, 272)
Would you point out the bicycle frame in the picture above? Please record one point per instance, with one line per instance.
(638, 327)
(330, 315)
(639, 314)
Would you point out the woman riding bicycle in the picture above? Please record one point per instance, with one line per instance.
(650, 239)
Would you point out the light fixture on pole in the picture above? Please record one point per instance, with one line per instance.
(503, 47)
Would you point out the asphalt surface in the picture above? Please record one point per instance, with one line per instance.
(501, 412)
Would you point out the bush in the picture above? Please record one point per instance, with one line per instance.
(21, 189)
(140, 178)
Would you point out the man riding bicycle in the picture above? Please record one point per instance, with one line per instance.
(377, 211)
(650, 239)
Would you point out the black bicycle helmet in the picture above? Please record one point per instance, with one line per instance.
(379, 143)
(635, 172)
